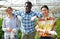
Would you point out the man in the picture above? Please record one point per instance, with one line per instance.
(28, 16)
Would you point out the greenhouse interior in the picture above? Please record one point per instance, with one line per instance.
(17, 5)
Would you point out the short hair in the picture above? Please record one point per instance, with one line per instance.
(28, 2)
(9, 8)
(45, 6)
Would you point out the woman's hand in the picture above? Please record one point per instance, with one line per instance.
(47, 32)
(9, 29)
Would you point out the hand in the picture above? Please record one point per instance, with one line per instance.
(46, 32)
(9, 29)
(14, 30)
(38, 30)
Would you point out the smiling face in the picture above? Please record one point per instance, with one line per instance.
(9, 10)
(28, 6)
(45, 11)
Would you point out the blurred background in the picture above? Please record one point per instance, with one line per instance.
(54, 6)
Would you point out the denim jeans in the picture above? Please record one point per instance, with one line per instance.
(8, 37)
(46, 38)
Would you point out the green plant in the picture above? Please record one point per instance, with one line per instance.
(1, 32)
(58, 28)
(19, 34)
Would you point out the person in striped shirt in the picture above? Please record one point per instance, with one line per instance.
(10, 25)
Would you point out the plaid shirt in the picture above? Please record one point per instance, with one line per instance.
(28, 25)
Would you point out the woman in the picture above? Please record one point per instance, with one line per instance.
(10, 25)
(46, 24)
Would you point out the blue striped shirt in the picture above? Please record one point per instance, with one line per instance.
(14, 24)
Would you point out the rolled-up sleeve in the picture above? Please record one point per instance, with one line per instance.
(4, 26)
(17, 13)
(39, 15)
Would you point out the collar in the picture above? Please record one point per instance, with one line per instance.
(28, 13)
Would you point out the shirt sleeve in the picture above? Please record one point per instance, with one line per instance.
(17, 13)
(4, 26)
(39, 15)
